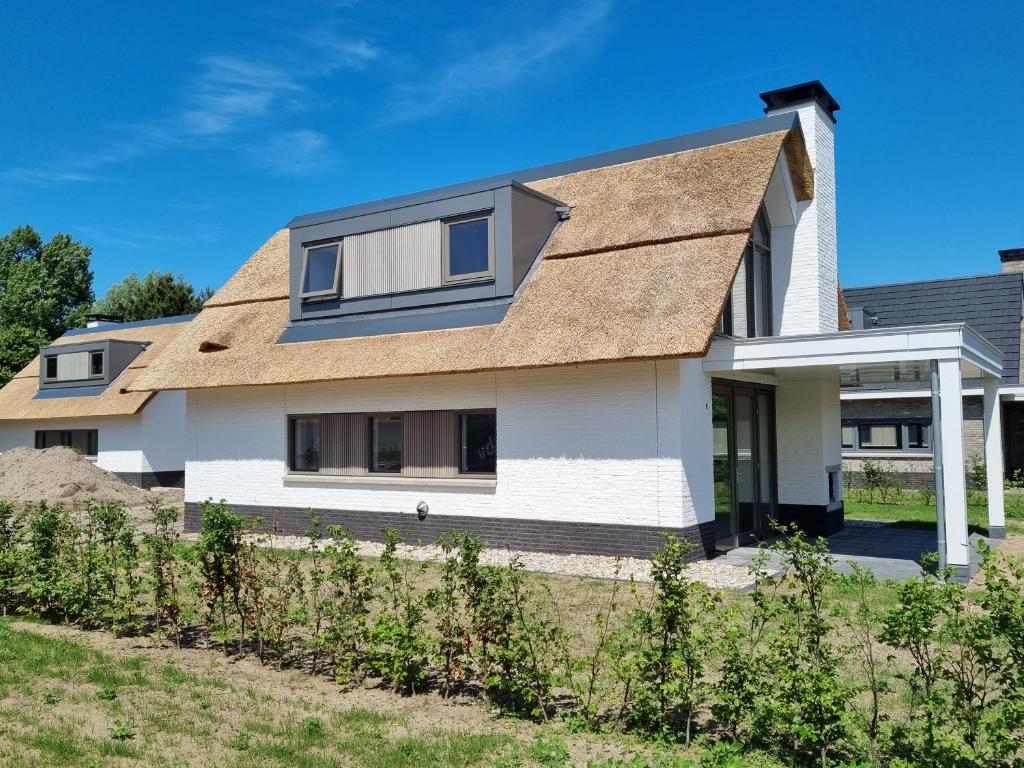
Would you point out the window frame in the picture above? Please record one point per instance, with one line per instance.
(336, 288)
(897, 429)
(290, 458)
(904, 426)
(760, 243)
(103, 364)
(460, 422)
(47, 359)
(398, 416)
(446, 224)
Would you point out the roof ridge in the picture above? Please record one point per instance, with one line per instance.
(1018, 275)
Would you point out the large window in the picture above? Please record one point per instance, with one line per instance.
(321, 271)
(748, 311)
(84, 441)
(304, 444)
(426, 444)
(386, 443)
(478, 453)
(905, 434)
(468, 253)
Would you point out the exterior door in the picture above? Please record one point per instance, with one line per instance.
(743, 425)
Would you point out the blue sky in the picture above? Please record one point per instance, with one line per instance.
(179, 136)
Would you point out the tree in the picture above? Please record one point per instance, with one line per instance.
(158, 294)
(45, 290)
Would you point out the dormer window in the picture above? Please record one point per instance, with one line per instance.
(321, 271)
(95, 363)
(468, 252)
(51, 367)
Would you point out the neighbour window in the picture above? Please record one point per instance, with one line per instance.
(304, 444)
(468, 253)
(748, 310)
(879, 436)
(51, 367)
(84, 441)
(386, 443)
(918, 435)
(95, 363)
(913, 434)
(479, 448)
(321, 271)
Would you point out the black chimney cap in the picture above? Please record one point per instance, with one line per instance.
(1011, 254)
(797, 94)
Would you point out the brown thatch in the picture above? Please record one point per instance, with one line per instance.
(17, 398)
(844, 312)
(655, 244)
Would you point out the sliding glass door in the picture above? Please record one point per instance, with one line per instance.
(743, 424)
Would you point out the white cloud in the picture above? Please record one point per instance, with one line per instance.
(520, 54)
(293, 153)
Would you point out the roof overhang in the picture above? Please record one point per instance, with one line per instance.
(868, 355)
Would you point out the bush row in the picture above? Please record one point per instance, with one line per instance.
(812, 667)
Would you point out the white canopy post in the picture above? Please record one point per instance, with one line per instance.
(954, 485)
(994, 458)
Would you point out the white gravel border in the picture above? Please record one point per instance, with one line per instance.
(715, 573)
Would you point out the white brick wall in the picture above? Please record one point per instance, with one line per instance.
(811, 302)
(808, 437)
(151, 441)
(599, 443)
(119, 449)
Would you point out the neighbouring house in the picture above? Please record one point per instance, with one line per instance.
(890, 422)
(75, 393)
(568, 358)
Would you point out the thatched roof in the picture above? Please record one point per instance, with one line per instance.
(641, 270)
(18, 398)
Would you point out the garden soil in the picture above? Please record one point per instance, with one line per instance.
(61, 476)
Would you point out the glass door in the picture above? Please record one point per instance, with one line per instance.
(743, 429)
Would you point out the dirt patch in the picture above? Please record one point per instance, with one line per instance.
(61, 476)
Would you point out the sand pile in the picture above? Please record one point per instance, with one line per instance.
(60, 475)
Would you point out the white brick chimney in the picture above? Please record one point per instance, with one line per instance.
(812, 305)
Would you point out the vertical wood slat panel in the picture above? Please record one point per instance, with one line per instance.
(390, 260)
(430, 444)
(356, 444)
(343, 444)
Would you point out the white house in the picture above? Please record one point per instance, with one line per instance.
(566, 358)
(75, 393)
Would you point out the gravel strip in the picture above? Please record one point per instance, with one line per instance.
(715, 573)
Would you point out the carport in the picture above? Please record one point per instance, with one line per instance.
(807, 372)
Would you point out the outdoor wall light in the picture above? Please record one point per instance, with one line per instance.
(421, 510)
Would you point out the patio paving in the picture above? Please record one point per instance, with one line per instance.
(891, 552)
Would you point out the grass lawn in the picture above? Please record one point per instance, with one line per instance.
(68, 703)
(75, 698)
(911, 511)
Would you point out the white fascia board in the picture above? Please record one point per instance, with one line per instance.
(950, 341)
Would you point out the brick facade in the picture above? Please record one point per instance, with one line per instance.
(525, 535)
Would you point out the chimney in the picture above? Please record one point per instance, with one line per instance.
(815, 270)
(1011, 260)
(95, 320)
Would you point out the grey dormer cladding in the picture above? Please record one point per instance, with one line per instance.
(522, 221)
(117, 355)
